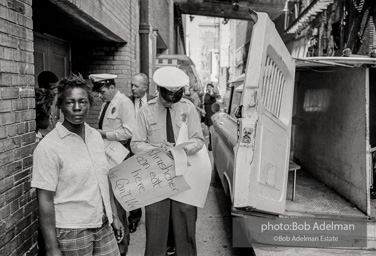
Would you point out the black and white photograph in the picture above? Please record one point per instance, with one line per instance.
(187, 127)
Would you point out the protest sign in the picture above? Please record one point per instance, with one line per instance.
(197, 174)
(115, 152)
(146, 178)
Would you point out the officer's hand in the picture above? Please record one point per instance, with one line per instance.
(169, 154)
(54, 252)
(166, 146)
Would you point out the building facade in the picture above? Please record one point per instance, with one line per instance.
(327, 27)
(63, 36)
(312, 28)
(204, 42)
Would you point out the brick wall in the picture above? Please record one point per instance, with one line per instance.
(18, 205)
(114, 58)
(113, 14)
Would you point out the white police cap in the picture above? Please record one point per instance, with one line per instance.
(100, 80)
(171, 78)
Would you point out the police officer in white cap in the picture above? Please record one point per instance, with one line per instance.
(117, 118)
(116, 123)
(158, 125)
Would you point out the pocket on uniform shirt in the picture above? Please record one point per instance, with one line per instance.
(155, 133)
(154, 126)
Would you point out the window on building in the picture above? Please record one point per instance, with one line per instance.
(316, 100)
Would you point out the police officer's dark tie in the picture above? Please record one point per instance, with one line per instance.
(169, 129)
(140, 104)
(100, 124)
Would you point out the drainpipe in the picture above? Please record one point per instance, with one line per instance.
(152, 86)
(144, 30)
(171, 31)
(287, 13)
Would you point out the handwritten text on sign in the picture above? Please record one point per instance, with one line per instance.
(146, 178)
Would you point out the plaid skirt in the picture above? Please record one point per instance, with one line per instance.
(94, 241)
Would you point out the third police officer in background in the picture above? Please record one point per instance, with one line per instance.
(140, 96)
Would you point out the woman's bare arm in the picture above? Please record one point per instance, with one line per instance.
(47, 221)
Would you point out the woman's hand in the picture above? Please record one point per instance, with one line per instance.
(54, 252)
(118, 229)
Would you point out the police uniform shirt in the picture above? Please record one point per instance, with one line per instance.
(151, 126)
(119, 120)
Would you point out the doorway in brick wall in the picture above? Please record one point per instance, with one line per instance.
(53, 54)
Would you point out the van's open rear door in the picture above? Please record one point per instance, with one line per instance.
(262, 152)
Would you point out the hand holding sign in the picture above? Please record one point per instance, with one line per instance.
(145, 179)
(197, 174)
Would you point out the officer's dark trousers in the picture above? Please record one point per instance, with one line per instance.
(183, 219)
(135, 216)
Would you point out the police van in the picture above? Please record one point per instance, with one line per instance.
(326, 148)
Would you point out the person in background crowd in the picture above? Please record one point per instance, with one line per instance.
(139, 86)
(70, 173)
(216, 108)
(187, 94)
(194, 96)
(47, 115)
(210, 97)
(196, 101)
(43, 102)
(48, 80)
(158, 125)
(116, 123)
